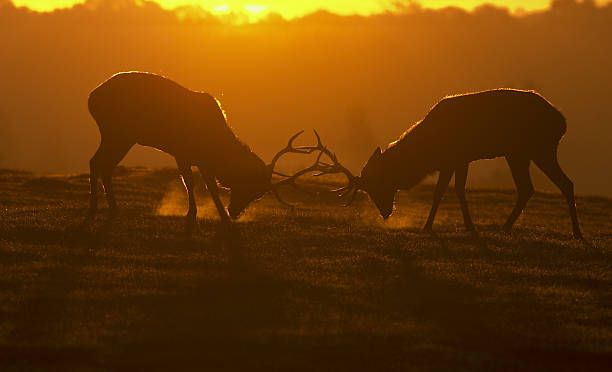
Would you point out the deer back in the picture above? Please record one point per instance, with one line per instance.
(482, 125)
(154, 111)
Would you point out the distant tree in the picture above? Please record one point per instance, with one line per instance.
(6, 4)
(407, 6)
(561, 5)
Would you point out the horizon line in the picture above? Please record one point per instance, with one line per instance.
(195, 11)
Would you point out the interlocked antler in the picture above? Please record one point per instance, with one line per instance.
(319, 166)
(288, 149)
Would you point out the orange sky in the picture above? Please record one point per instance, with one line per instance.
(361, 82)
(293, 8)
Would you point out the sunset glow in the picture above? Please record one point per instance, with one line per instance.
(221, 8)
(255, 9)
(291, 9)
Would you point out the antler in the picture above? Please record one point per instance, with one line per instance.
(288, 149)
(319, 166)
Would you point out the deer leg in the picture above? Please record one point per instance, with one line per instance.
(443, 180)
(519, 166)
(107, 183)
(460, 180)
(106, 159)
(211, 185)
(93, 181)
(550, 166)
(187, 177)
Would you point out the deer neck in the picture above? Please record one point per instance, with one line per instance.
(235, 165)
(404, 168)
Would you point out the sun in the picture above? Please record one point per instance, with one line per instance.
(255, 8)
(222, 8)
(241, 12)
(250, 9)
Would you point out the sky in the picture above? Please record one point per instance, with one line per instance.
(296, 8)
(360, 82)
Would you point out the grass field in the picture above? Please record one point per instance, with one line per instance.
(320, 288)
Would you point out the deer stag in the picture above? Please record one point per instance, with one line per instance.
(521, 126)
(144, 108)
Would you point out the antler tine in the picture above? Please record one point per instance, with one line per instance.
(319, 145)
(341, 191)
(290, 142)
(289, 149)
(331, 155)
(291, 179)
(352, 199)
(280, 174)
(334, 168)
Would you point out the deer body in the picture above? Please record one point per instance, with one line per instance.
(521, 126)
(151, 110)
(481, 126)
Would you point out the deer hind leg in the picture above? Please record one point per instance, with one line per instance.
(187, 177)
(93, 181)
(550, 166)
(460, 180)
(519, 166)
(211, 185)
(102, 164)
(443, 180)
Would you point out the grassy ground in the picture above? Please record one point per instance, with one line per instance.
(322, 288)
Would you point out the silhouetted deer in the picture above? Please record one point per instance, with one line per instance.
(519, 125)
(144, 108)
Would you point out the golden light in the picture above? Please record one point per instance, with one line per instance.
(221, 8)
(245, 13)
(255, 9)
(298, 8)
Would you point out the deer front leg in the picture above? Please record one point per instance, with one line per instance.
(443, 180)
(460, 180)
(102, 164)
(519, 166)
(211, 184)
(93, 188)
(107, 183)
(187, 177)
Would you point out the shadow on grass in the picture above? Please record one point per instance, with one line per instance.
(248, 319)
(215, 324)
(234, 303)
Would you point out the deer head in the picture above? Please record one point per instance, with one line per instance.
(376, 183)
(253, 182)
